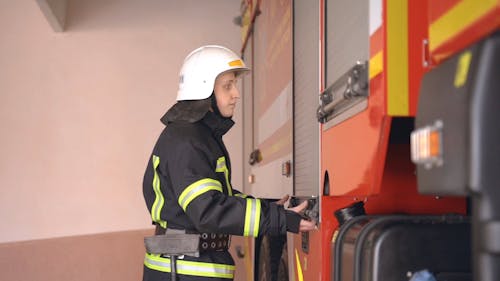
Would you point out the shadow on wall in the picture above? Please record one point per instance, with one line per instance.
(109, 257)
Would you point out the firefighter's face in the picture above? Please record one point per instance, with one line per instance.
(226, 93)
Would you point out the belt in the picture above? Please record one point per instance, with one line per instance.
(207, 241)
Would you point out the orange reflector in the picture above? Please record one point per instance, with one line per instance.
(236, 63)
(434, 143)
(426, 145)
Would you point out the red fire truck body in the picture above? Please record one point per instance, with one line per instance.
(334, 95)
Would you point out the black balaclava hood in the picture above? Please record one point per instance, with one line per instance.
(187, 111)
(215, 108)
(192, 110)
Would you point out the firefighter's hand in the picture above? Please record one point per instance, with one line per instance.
(299, 208)
(305, 224)
(283, 200)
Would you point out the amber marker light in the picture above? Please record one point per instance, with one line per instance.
(426, 145)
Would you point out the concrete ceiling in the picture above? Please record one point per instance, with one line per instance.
(55, 13)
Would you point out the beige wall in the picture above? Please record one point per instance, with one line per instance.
(114, 256)
(79, 110)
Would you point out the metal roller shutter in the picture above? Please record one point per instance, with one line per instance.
(306, 90)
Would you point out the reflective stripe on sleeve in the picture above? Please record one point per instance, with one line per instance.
(241, 195)
(222, 168)
(196, 189)
(252, 218)
(193, 268)
(159, 200)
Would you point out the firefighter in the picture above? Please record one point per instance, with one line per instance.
(187, 183)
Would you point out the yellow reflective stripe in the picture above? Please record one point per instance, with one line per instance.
(398, 99)
(236, 63)
(196, 189)
(252, 218)
(462, 69)
(159, 200)
(299, 267)
(222, 168)
(376, 65)
(458, 18)
(193, 268)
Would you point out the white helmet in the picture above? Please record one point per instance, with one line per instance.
(201, 67)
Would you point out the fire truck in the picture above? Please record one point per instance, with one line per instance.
(385, 116)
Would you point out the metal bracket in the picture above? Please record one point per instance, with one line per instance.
(350, 89)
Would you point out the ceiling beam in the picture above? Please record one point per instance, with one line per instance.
(55, 13)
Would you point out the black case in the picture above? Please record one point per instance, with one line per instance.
(390, 248)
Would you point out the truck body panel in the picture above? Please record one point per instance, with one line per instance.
(372, 58)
